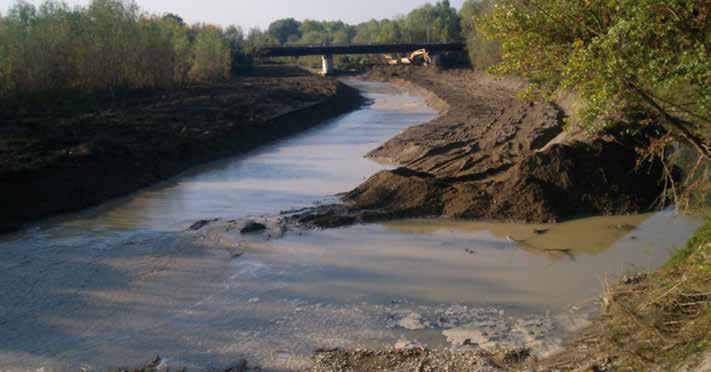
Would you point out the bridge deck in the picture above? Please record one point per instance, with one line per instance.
(318, 50)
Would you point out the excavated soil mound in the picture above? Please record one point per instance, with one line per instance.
(491, 155)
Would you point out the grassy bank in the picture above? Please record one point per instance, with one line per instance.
(658, 321)
(664, 321)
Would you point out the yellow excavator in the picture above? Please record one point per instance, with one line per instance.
(418, 57)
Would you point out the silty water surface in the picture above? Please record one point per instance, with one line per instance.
(118, 284)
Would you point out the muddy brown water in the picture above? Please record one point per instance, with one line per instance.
(115, 285)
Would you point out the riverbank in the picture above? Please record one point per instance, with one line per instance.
(212, 295)
(490, 155)
(58, 162)
(658, 321)
(118, 284)
(473, 163)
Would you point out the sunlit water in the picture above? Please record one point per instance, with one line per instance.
(116, 285)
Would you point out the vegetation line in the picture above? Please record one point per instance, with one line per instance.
(107, 46)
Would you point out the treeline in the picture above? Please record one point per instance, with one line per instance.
(112, 45)
(430, 23)
(109, 45)
(438, 22)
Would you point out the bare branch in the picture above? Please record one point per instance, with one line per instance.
(682, 126)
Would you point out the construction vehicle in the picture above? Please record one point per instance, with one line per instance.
(418, 57)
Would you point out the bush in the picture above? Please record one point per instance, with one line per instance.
(620, 56)
(483, 52)
(211, 58)
(106, 46)
(5, 60)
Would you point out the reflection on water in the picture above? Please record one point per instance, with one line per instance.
(474, 263)
(588, 236)
(117, 284)
(294, 173)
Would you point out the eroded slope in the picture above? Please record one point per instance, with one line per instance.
(492, 155)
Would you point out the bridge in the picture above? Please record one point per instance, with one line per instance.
(327, 51)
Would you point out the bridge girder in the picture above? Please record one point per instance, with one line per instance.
(324, 50)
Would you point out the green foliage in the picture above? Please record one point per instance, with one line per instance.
(285, 30)
(429, 23)
(619, 55)
(389, 32)
(314, 38)
(108, 45)
(241, 60)
(699, 243)
(179, 38)
(433, 23)
(256, 39)
(5, 60)
(483, 51)
(211, 59)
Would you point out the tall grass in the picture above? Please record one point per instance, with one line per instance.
(106, 46)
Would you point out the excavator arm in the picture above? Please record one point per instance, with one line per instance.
(419, 57)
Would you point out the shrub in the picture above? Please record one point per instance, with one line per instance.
(619, 56)
(483, 51)
(106, 46)
(211, 55)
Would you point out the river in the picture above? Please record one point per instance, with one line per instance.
(120, 283)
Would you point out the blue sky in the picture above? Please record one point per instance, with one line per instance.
(251, 13)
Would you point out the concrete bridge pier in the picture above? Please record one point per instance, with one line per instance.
(327, 65)
(436, 60)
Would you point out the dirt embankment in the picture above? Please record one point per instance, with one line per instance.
(491, 155)
(55, 162)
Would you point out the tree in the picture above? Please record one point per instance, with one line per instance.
(341, 37)
(470, 10)
(234, 35)
(107, 46)
(23, 13)
(483, 51)
(211, 55)
(309, 25)
(285, 30)
(338, 32)
(432, 23)
(314, 38)
(367, 32)
(177, 33)
(419, 24)
(447, 24)
(256, 39)
(175, 18)
(6, 83)
(389, 32)
(620, 56)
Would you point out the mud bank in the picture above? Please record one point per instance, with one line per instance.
(491, 155)
(60, 162)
